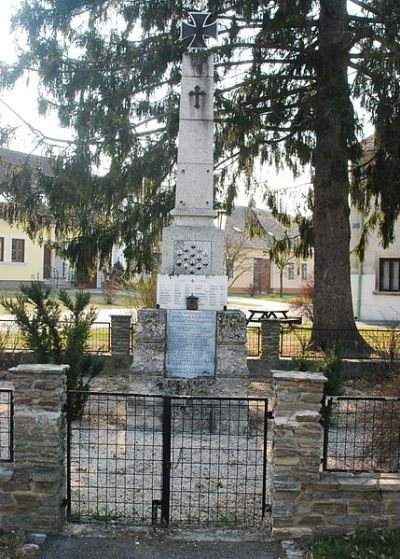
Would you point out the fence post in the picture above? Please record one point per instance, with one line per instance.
(32, 496)
(296, 449)
(270, 331)
(120, 334)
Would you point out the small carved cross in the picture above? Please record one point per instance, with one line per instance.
(197, 93)
(199, 29)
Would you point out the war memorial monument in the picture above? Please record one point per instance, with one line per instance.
(191, 334)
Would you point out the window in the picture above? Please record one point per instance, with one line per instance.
(290, 271)
(304, 271)
(389, 274)
(1, 249)
(18, 250)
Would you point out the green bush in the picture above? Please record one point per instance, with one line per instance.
(331, 365)
(369, 544)
(53, 338)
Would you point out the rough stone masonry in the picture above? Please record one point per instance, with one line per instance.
(32, 487)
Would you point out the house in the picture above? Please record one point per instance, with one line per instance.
(375, 282)
(248, 266)
(23, 260)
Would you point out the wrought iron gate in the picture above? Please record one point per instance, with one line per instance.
(167, 460)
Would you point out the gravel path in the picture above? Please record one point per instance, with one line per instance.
(62, 547)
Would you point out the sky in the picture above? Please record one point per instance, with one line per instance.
(22, 99)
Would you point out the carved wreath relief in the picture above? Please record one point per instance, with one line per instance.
(192, 257)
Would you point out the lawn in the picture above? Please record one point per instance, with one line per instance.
(268, 297)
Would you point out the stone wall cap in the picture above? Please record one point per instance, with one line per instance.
(299, 376)
(39, 368)
(362, 481)
(390, 484)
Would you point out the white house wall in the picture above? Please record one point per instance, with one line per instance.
(369, 303)
(374, 306)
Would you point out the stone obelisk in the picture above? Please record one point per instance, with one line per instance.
(192, 247)
(174, 340)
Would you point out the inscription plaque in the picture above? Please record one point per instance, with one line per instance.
(190, 344)
(173, 290)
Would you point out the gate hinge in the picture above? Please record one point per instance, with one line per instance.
(270, 415)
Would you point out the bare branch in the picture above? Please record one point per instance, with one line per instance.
(34, 129)
(365, 6)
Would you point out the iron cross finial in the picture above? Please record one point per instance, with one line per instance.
(199, 29)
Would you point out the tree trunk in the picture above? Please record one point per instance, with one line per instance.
(281, 282)
(332, 291)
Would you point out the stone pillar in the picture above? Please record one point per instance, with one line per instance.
(270, 332)
(32, 495)
(296, 449)
(120, 334)
(231, 352)
(149, 354)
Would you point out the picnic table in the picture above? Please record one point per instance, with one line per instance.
(282, 315)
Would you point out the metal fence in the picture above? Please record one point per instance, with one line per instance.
(100, 338)
(11, 338)
(6, 425)
(361, 434)
(377, 343)
(253, 341)
(167, 460)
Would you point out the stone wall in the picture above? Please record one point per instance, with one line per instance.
(305, 500)
(340, 502)
(32, 488)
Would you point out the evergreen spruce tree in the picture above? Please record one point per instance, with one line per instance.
(288, 75)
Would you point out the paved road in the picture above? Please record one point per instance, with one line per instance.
(235, 302)
(64, 547)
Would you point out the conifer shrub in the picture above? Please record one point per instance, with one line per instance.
(57, 338)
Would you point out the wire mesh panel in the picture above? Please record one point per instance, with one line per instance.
(218, 462)
(114, 458)
(253, 341)
(377, 343)
(100, 338)
(6, 425)
(162, 460)
(362, 434)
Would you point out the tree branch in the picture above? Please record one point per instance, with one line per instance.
(34, 129)
(365, 6)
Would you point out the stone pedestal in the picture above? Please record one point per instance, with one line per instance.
(149, 354)
(33, 495)
(231, 344)
(151, 344)
(270, 332)
(296, 451)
